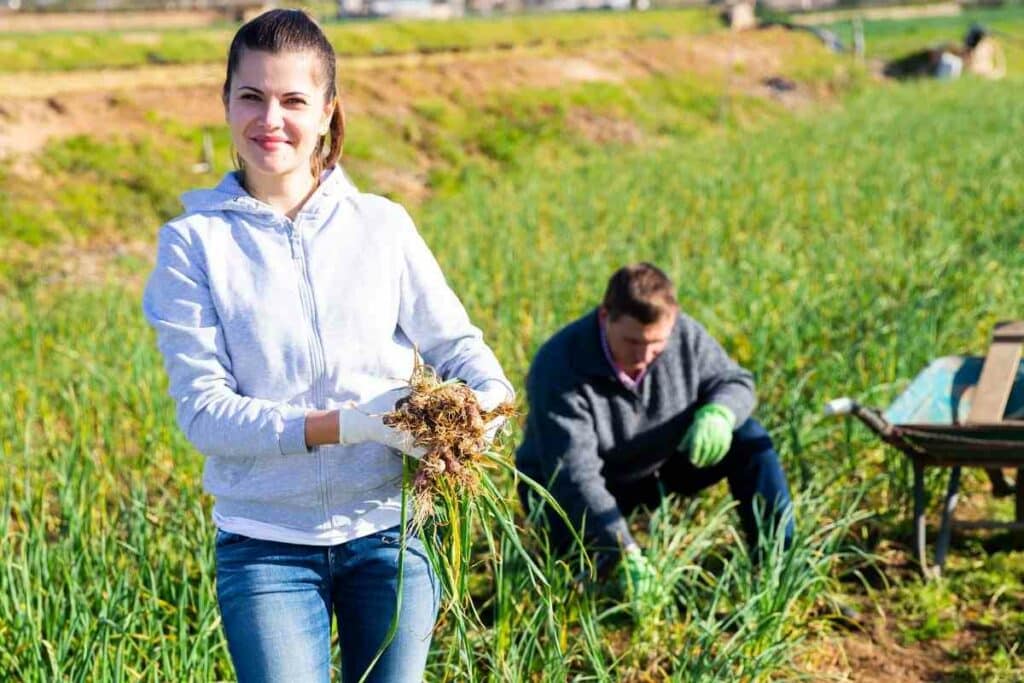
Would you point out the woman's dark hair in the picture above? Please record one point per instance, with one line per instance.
(292, 30)
(640, 290)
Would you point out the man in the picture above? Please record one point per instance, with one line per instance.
(636, 398)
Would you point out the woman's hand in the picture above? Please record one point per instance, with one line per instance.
(488, 400)
(365, 422)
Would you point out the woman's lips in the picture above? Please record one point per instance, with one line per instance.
(268, 143)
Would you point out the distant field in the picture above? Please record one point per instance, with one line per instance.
(73, 50)
(895, 37)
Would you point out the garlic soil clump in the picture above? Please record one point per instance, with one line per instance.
(445, 418)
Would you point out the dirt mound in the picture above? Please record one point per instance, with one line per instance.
(39, 107)
(31, 22)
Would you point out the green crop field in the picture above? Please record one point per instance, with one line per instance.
(834, 249)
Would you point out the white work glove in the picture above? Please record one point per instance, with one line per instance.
(364, 422)
(489, 399)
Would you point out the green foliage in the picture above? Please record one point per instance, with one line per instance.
(967, 600)
(833, 255)
(92, 466)
(116, 185)
(91, 191)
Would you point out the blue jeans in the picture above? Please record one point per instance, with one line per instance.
(277, 599)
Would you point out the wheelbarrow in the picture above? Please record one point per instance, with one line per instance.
(959, 412)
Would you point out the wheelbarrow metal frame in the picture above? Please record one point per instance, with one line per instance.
(986, 438)
(902, 437)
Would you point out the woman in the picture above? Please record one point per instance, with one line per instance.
(287, 305)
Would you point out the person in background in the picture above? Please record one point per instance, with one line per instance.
(287, 306)
(636, 400)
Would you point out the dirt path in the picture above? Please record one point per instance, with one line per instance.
(874, 656)
(944, 9)
(33, 22)
(37, 108)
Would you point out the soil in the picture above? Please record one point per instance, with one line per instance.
(37, 108)
(39, 22)
(875, 657)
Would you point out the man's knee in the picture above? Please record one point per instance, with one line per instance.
(751, 438)
(751, 450)
(754, 465)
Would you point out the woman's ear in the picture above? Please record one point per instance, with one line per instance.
(328, 114)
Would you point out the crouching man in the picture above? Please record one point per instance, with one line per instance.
(636, 399)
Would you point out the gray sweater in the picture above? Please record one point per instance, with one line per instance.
(586, 430)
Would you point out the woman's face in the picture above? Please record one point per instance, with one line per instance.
(276, 109)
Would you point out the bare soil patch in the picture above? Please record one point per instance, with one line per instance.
(37, 108)
(604, 129)
(32, 22)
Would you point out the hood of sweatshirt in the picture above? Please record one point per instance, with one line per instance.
(229, 195)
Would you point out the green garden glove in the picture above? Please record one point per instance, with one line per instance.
(637, 575)
(709, 437)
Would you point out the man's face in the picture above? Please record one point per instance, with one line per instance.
(634, 346)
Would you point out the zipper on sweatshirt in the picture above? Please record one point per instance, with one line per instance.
(316, 347)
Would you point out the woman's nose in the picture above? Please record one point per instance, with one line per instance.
(272, 114)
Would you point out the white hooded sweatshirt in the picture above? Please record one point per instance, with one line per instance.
(261, 319)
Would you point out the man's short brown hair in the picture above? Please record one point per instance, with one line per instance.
(641, 291)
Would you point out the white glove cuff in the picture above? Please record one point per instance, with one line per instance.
(492, 396)
(355, 426)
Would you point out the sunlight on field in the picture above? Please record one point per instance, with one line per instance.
(834, 249)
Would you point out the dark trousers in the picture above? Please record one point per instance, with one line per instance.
(751, 467)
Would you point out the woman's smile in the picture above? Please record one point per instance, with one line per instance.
(270, 143)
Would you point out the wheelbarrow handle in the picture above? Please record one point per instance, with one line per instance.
(840, 406)
(869, 416)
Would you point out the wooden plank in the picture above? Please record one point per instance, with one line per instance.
(998, 374)
(1009, 331)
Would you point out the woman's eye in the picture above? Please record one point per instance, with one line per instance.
(249, 96)
(296, 100)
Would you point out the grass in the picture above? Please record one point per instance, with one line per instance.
(112, 489)
(832, 254)
(70, 51)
